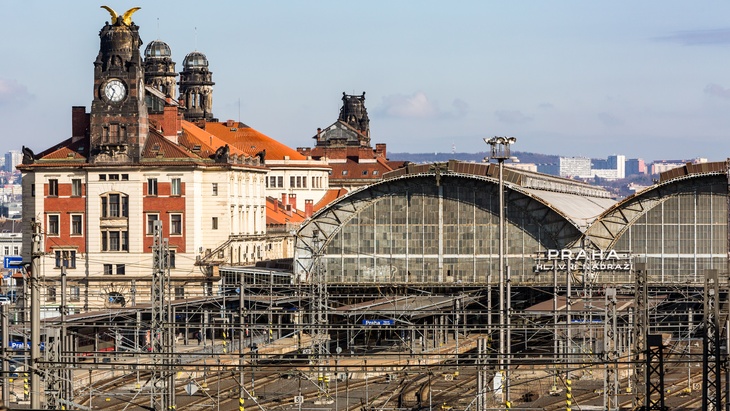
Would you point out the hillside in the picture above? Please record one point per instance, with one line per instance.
(523, 157)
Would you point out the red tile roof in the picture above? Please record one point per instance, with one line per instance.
(159, 148)
(62, 150)
(329, 197)
(251, 141)
(277, 214)
(202, 142)
(64, 153)
(351, 169)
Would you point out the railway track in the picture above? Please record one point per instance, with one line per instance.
(285, 381)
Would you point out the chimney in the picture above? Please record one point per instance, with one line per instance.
(284, 200)
(380, 150)
(80, 122)
(293, 201)
(308, 208)
(230, 123)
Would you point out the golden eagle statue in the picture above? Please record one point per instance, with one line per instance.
(126, 18)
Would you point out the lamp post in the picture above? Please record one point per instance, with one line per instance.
(500, 151)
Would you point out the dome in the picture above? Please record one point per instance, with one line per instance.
(195, 60)
(157, 48)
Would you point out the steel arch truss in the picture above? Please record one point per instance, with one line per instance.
(608, 229)
(326, 223)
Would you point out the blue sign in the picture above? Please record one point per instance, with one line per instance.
(378, 322)
(18, 345)
(13, 261)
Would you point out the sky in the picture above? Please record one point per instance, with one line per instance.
(647, 79)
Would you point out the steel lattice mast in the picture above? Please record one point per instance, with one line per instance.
(162, 387)
(318, 311)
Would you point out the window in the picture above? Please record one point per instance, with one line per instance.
(53, 224)
(32, 190)
(375, 172)
(171, 259)
(125, 177)
(121, 270)
(179, 292)
(114, 205)
(292, 181)
(114, 240)
(16, 250)
(151, 218)
(215, 189)
(51, 294)
(53, 187)
(364, 172)
(113, 177)
(108, 269)
(344, 172)
(113, 133)
(76, 224)
(65, 258)
(7, 250)
(304, 182)
(280, 181)
(175, 224)
(215, 223)
(151, 186)
(76, 187)
(175, 189)
(102, 177)
(75, 293)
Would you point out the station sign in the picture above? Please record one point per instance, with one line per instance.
(12, 261)
(378, 322)
(583, 260)
(18, 345)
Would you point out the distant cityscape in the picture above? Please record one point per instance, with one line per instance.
(11, 194)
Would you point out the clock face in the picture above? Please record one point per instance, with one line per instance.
(114, 90)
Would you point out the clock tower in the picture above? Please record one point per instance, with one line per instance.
(119, 124)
